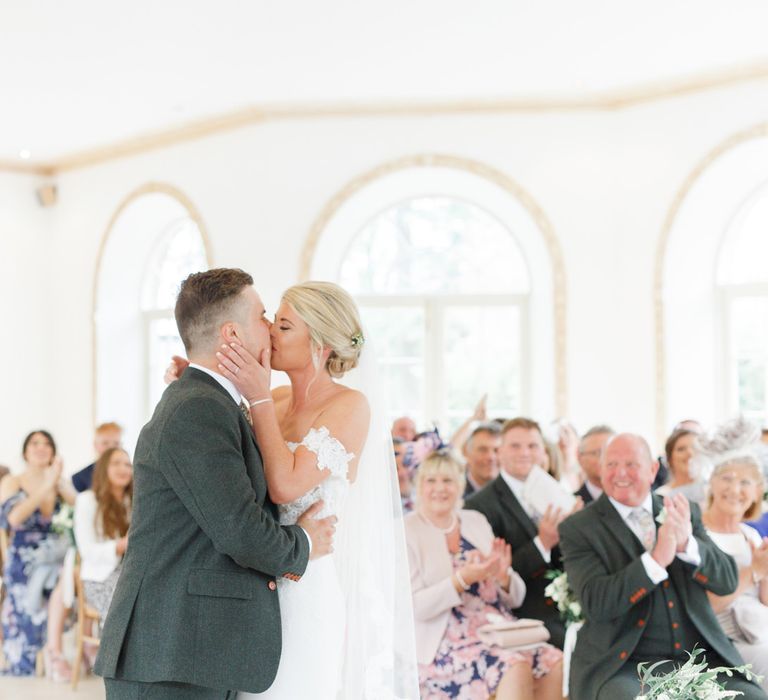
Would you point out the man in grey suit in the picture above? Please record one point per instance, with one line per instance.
(195, 613)
(643, 588)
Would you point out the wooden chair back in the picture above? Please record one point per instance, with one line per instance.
(84, 613)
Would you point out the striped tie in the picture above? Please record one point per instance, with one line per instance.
(644, 527)
(246, 412)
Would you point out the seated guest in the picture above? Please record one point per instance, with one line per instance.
(760, 524)
(679, 449)
(568, 451)
(533, 536)
(590, 448)
(482, 454)
(643, 592)
(404, 474)
(107, 436)
(460, 574)
(4, 471)
(28, 502)
(404, 428)
(552, 462)
(102, 517)
(408, 456)
(735, 494)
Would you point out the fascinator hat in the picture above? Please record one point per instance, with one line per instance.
(735, 440)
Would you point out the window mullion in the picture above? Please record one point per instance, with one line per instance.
(433, 389)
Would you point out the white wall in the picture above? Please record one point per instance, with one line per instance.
(604, 179)
(28, 399)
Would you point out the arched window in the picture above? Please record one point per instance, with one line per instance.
(713, 288)
(154, 242)
(460, 283)
(742, 280)
(178, 251)
(443, 290)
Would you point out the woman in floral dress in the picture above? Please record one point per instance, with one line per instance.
(28, 502)
(459, 575)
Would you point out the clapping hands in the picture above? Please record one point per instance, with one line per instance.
(672, 537)
(495, 564)
(760, 559)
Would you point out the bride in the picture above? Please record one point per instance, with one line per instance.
(347, 624)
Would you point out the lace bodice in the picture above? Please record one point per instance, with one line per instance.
(331, 455)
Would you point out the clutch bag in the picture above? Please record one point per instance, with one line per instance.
(513, 633)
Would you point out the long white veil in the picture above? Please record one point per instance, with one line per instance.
(371, 558)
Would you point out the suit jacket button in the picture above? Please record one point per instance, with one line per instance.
(272, 585)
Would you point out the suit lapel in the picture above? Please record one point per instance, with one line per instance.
(512, 506)
(195, 375)
(615, 525)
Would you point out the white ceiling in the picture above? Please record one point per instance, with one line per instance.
(78, 74)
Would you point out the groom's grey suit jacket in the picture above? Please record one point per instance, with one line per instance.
(196, 600)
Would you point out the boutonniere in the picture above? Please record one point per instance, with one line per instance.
(662, 516)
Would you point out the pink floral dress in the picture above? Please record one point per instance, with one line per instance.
(466, 668)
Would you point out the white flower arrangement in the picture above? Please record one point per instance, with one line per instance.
(559, 590)
(63, 522)
(691, 681)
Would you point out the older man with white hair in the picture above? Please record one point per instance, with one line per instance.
(643, 585)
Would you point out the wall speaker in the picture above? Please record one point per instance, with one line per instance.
(46, 195)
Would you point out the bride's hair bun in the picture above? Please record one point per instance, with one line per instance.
(333, 321)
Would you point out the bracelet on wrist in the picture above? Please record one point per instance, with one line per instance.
(461, 580)
(258, 401)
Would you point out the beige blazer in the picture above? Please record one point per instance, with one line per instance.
(431, 571)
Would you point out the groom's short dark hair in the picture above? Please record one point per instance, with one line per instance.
(204, 301)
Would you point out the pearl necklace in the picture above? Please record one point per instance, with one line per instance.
(448, 530)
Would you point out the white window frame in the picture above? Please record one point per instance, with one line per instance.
(147, 318)
(729, 384)
(434, 407)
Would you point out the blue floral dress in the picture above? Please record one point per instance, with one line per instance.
(466, 668)
(35, 554)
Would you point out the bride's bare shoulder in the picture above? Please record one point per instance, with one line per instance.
(350, 399)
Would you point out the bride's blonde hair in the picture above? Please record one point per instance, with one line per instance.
(333, 321)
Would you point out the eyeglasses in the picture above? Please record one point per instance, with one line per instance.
(589, 453)
(731, 480)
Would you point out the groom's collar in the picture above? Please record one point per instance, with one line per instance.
(222, 380)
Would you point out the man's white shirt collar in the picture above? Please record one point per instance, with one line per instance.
(594, 491)
(624, 511)
(228, 385)
(517, 487)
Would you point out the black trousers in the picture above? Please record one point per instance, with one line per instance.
(625, 685)
(164, 690)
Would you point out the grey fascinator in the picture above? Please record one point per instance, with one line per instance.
(735, 440)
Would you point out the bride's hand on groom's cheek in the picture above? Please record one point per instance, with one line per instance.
(250, 375)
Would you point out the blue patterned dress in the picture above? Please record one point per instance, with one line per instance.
(465, 668)
(32, 547)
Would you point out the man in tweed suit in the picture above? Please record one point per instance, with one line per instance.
(195, 613)
(643, 589)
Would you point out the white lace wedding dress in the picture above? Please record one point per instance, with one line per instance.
(312, 610)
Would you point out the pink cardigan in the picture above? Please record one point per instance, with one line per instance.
(431, 570)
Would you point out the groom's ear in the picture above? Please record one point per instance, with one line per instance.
(229, 332)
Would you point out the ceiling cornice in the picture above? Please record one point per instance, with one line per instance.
(611, 100)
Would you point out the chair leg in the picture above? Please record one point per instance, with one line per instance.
(78, 654)
(39, 664)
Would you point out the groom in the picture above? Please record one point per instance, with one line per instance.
(195, 613)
